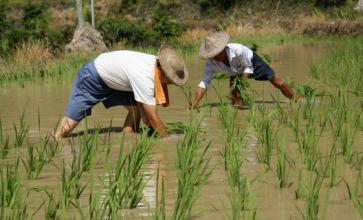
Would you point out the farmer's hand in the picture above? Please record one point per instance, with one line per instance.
(246, 75)
(191, 106)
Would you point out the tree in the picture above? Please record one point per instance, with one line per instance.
(93, 14)
(80, 13)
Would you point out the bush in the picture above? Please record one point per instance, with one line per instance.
(122, 29)
(329, 3)
(164, 23)
(33, 25)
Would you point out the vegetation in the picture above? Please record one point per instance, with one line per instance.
(309, 147)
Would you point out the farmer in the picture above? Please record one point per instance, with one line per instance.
(234, 59)
(138, 81)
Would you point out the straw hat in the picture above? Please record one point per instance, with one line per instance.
(173, 65)
(213, 44)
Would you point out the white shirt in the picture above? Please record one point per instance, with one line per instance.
(240, 61)
(129, 71)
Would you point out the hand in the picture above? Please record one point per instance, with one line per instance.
(191, 107)
(166, 137)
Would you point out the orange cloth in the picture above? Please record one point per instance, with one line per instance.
(160, 90)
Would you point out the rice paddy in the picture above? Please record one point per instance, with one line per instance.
(276, 160)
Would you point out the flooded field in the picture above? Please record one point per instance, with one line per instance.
(43, 105)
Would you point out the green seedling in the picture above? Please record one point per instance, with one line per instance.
(35, 161)
(10, 195)
(193, 171)
(21, 132)
(282, 163)
(159, 212)
(266, 135)
(127, 181)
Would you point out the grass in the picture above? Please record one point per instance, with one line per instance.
(4, 142)
(159, 211)
(239, 185)
(312, 190)
(266, 134)
(127, 181)
(21, 131)
(35, 161)
(354, 192)
(10, 195)
(192, 165)
(282, 163)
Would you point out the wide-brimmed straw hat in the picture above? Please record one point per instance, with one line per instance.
(173, 65)
(213, 44)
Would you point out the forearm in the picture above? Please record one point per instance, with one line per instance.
(154, 121)
(198, 96)
(159, 127)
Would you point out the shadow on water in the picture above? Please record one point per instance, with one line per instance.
(172, 128)
(217, 104)
(98, 130)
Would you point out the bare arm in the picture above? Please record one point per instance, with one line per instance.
(199, 93)
(154, 120)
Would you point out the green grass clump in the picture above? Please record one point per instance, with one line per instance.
(355, 193)
(35, 161)
(4, 142)
(266, 134)
(21, 132)
(127, 181)
(193, 171)
(282, 163)
(312, 196)
(10, 195)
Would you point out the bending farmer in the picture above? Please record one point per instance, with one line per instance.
(234, 59)
(135, 80)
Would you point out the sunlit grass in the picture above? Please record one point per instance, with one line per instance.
(192, 164)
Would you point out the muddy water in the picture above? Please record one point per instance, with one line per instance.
(288, 60)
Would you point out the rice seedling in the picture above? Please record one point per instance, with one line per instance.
(281, 167)
(312, 189)
(21, 132)
(308, 105)
(72, 181)
(244, 88)
(88, 148)
(16, 213)
(294, 120)
(51, 208)
(187, 91)
(97, 208)
(282, 116)
(176, 127)
(354, 192)
(307, 138)
(299, 191)
(50, 148)
(266, 135)
(227, 115)
(159, 212)
(10, 187)
(193, 171)
(4, 151)
(127, 181)
(4, 142)
(339, 112)
(347, 135)
(106, 140)
(35, 161)
(240, 193)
